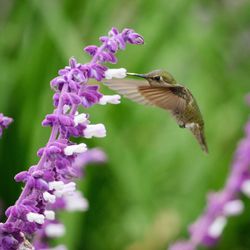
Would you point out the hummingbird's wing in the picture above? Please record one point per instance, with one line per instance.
(129, 88)
(167, 97)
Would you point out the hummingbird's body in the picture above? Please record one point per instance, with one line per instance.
(160, 89)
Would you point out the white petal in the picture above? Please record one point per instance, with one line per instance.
(217, 227)
(49, 214)
(67, 189)
(35, 217)
(57, 185)
(55, 230)
(245, 188)
(113, 99)
(49, 197)
(76, 202)
(115, 73)
(71, 186)
(233, 207)
(79, 119)
(79, 148)
(96, 130)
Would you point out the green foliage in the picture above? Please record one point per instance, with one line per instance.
(157, 178)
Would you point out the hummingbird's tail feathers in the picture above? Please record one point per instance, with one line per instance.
(203, 143)
(198, 132)
(129, 89)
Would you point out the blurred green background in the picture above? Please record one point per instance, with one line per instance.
(156, 179)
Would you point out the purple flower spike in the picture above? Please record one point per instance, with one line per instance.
(4, 122)
(221, 205)
(49, 185)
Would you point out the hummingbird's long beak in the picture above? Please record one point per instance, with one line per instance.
(135, 74)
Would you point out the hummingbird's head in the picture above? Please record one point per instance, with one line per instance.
(157, 77)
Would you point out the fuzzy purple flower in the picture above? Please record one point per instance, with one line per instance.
(49, 185)
(4, 122)
(223, 204)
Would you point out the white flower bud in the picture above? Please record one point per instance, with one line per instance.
(79, 119)
(35, 217)
(49, 197)
(95, 130)
(75, 149)
(49, 214)
(67, 189)
(216, 228)
(55, 230)
(233, 207)
(76, 202)
(245, 188)
(115, 73)
(113, 99)
(57, 185)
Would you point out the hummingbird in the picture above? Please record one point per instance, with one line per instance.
(159, 88)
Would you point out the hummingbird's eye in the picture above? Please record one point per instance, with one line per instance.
(157, 78)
